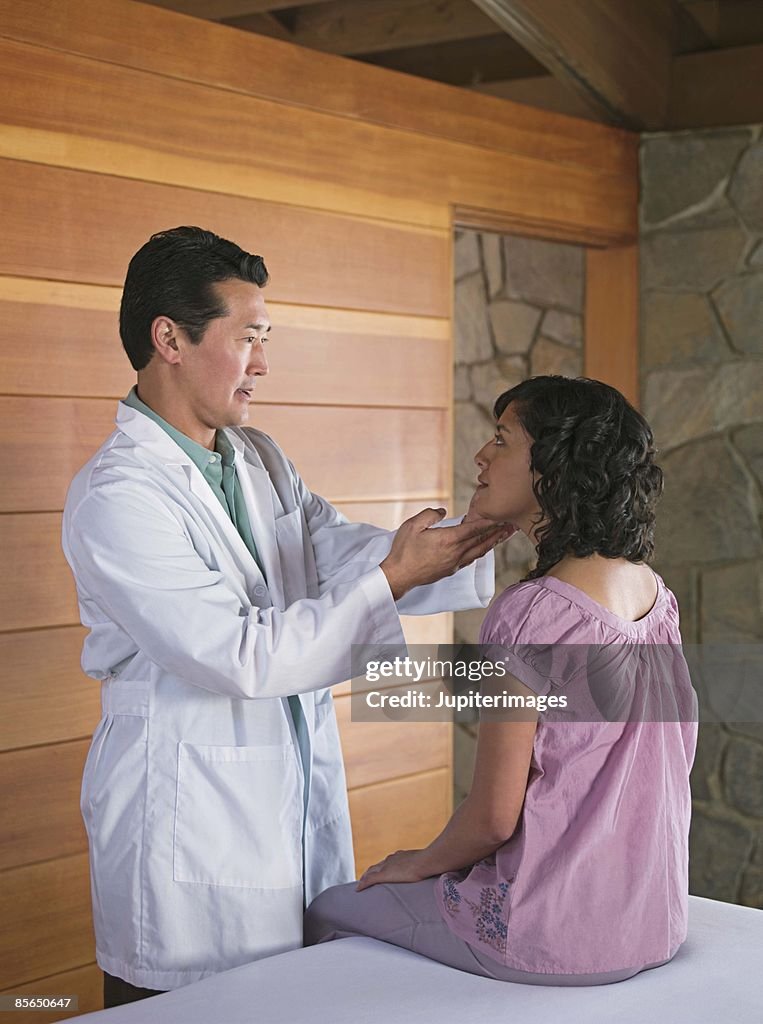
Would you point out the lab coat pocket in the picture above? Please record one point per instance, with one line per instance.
(238, 817)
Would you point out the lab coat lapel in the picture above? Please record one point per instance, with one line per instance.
(150, 436)
(258, 495)
(243, 556)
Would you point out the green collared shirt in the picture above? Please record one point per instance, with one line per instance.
(216, 467)
(219, 470)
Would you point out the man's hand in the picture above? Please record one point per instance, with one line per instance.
(420, 555)
(474, 517)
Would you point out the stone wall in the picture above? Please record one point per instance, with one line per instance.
(518, 313)
(519, 307)
(702, 391)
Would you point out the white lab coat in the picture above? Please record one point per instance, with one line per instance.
(194, 796)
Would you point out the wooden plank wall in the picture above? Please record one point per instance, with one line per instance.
(119, 119)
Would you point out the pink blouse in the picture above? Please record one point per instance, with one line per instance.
(595, 877)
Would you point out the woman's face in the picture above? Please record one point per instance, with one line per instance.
(505, 483)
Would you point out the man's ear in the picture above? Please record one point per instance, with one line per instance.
(164, 338)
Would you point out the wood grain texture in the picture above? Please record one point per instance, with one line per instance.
(307, 364)
(84, 982)
(134, 35)
(45, 697)
(48, 909)
(616, 56)
(375, 751)
(142, 163)
(386, 454)
(610, 352)
(719, 87)
(94, 98)
(417, 629)
(37, 588)
(39, 797)
(88, 226)
(374, 26)
(399, 814)
(541, 91)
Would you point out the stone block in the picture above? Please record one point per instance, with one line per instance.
(682, 581)
(466, 254)
(705, 773)
(515, 557)
(694, 261)
(680, 329)
(544, 273)
(462, 386)
(753, 730)
(467, 625)
(489, 380)
(472, 429)
(748, 441)
(508, 577)
(755, 259)
(742, 775)
(708, 512)
(472, 327)
(718, 851)
(681, 171)
(514, 325)
(757, 857)
(547, 357)
(745, 190)
(739, 302)
(463, 491)
(751, 894)
(683, 404)
(732, 603)
(492, 259)
(566, 328)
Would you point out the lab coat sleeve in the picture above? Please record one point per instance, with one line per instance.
(134, 560)
(345, 551)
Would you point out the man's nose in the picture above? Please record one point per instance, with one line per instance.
(258, 361)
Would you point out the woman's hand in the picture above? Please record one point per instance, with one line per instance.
(403, 866)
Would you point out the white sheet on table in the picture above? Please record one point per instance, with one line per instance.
(715, 977)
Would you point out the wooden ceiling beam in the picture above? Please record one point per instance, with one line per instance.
(718, 87)
(351, 27)
(543, 92)
(464, 62)
(219, 10)
(731, 23)
(616, 55)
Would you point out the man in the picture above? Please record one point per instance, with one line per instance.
(222, 599)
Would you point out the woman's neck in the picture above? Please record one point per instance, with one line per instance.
(628, 589)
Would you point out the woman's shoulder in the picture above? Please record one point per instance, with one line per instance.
(529, 612)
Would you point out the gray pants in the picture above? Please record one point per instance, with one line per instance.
(407, 915)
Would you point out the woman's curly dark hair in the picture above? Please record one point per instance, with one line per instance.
(598, 483)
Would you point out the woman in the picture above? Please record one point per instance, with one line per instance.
(567, 862)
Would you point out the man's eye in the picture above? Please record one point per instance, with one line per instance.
(251, 338)
(498, 439)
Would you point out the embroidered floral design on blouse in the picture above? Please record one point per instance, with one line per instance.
(451, 897)
(489, 917)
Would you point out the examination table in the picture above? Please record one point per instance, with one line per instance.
(716, 978)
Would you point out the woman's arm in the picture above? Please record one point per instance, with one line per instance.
(489, 814)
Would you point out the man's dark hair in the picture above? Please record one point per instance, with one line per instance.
(173, 275)
(598, 483)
